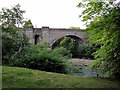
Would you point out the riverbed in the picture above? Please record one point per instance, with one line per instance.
(82, 64)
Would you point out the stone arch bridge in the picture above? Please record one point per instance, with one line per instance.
(51, 35)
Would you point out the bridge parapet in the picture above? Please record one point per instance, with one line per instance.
(50, 35)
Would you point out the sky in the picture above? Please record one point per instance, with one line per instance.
(52, 13)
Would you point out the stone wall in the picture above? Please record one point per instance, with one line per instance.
(50, 35)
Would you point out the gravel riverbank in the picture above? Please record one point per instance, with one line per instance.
(82, 64)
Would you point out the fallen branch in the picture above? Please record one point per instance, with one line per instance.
(17, 52)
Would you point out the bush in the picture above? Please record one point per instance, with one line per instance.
(62, 51)
(44, 59)
(72, 46)
(85, 51)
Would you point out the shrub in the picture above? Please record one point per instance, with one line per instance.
(85, 51)
(43, 59)
(62, 51)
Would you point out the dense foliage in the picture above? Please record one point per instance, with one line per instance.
(13, 40)
(77, 50)
(85, 51)
(41, 58)
(28, 24)
(104, 30)
(62, 51)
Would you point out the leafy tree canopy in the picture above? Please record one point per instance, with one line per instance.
(104, 30)
(13, 39)
(28, 23)
(93, 9)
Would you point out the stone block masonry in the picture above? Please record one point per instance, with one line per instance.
(51, 35)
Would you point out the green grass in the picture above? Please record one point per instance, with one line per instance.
(16, 77)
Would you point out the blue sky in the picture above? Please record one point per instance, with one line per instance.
(52, 13)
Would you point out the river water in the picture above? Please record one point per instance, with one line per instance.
(87, 72)
(82, 64)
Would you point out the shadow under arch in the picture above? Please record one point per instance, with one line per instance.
(75, 37)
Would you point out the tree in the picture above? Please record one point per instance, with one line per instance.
(104, 30)
(94, 9)
(13, 38)
(28, 24)
(67, 42)
(74, 27)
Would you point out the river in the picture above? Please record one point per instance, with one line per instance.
(82, 64)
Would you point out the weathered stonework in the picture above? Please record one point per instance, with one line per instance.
(51, 35)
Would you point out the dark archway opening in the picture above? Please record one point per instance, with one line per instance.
(71, 43)
(36, 39)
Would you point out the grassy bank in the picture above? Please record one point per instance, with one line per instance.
(16, 77)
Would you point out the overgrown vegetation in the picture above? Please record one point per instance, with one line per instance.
(62, 51)
(18, 52)
(13, 40)
(104, 30)
(77, 50)
(41, 58)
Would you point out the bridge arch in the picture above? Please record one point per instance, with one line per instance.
(51, 35)
(79, 39)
